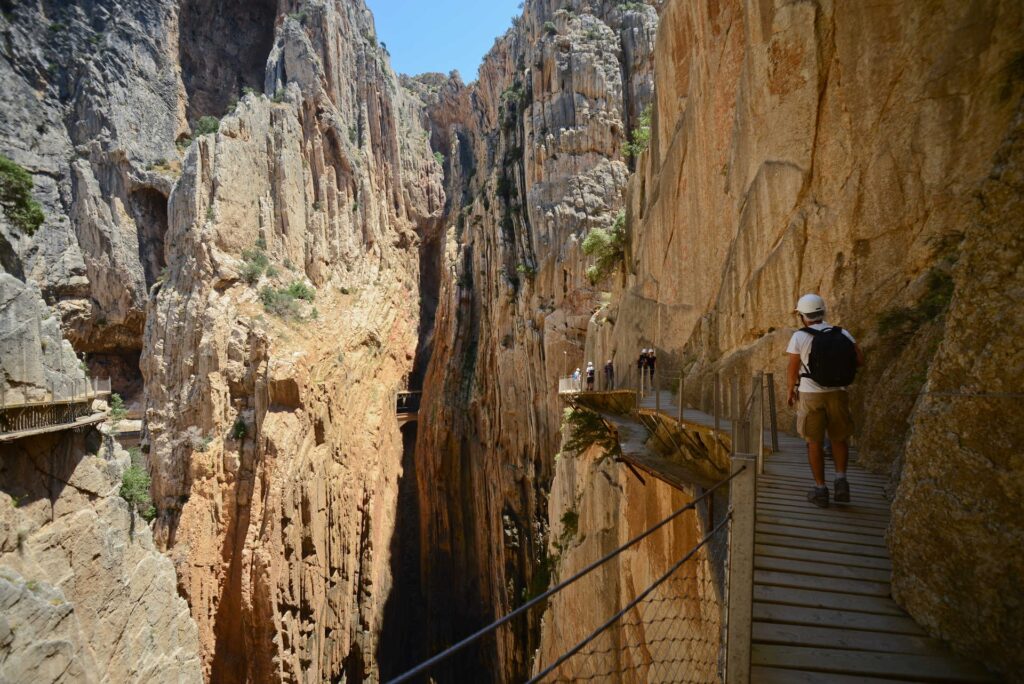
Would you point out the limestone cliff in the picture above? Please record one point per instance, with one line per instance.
(93, 113)
(532, 162)
(867, 152)
(85, 596)
(273, 350)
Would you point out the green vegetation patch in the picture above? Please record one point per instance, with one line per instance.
(135, 486)
(207, 124)
(284, 302)
(16, 197)
(255, 263)
(586, 428)
(607, 248)
(640, 138)
(117, 412)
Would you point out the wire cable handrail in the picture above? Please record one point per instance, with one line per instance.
(629, 606)
(480, 633)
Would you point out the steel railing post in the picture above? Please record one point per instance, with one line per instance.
(716, 397)
(656, 384)
(681, 402)
(759, 422)
(773, 419)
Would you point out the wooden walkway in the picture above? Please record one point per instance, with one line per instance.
(822, 607)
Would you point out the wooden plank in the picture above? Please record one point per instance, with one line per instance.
(778, 675)
(821, 569)
(801, 487)
(922, 668)
(800, 581)
(801, 499)
(819, 545)
(811, 598)
(741, 571)
(777, 471)
(824, 535)
(852, 639)
(826, 617)
(845, 511)
(836, 515)
(810, 523)
(789, 552)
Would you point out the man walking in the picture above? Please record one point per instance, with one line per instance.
(609, 376)
(590, 376)
(823, 361)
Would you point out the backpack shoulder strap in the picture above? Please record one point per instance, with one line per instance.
(811, 331)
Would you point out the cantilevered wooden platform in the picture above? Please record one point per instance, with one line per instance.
(822, 608)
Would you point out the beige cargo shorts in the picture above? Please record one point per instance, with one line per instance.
(820, 411)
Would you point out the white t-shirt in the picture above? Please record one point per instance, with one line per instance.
(800, 344)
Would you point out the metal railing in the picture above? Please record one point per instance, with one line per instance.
(673, 626)
(68, 401)
(407, 403)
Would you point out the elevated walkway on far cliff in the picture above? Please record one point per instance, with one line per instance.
(809, 594)
(64, 409)
(407, 407)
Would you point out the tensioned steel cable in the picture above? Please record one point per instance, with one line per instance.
(629, 606)
(475, 636)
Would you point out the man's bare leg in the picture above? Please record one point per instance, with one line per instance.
(840, 454)
(816, 458)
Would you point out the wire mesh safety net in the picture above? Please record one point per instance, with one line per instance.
(670, 629)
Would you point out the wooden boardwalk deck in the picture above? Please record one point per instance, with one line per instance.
(822, 608)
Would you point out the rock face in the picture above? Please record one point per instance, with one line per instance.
(532, 162)
(93, 114)
(869, 153)
(957, 540)
(36, 362)
(85, 595)
(270, 420)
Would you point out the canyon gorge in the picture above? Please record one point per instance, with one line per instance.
(261, 233)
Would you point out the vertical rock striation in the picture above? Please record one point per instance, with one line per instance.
(533, 162)
(271, 421)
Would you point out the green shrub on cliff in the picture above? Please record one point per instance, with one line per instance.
(135, 484)
(640, 138)
(585, 428)
(607, 248)
(207, 124)
(16, 197)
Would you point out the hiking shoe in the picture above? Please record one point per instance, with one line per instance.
(842, 488)
(818, 496)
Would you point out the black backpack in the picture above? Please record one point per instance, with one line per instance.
(833, 361)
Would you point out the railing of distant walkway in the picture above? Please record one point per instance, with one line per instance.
(68, 401)
(690, 623)
(408, 403)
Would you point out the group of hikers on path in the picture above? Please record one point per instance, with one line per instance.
(645, 368)
(822, 362)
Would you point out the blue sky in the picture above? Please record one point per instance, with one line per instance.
(441, 35)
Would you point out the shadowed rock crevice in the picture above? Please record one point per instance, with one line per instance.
(223, 48)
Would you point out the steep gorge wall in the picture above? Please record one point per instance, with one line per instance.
(85, 596)
(866, 152)
(272, 433)
(533, 160)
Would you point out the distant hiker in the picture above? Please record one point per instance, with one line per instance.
(641, 365)
(609, 375)
(652, 356)
(590, 376)
(576, 380)
(823, 360)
